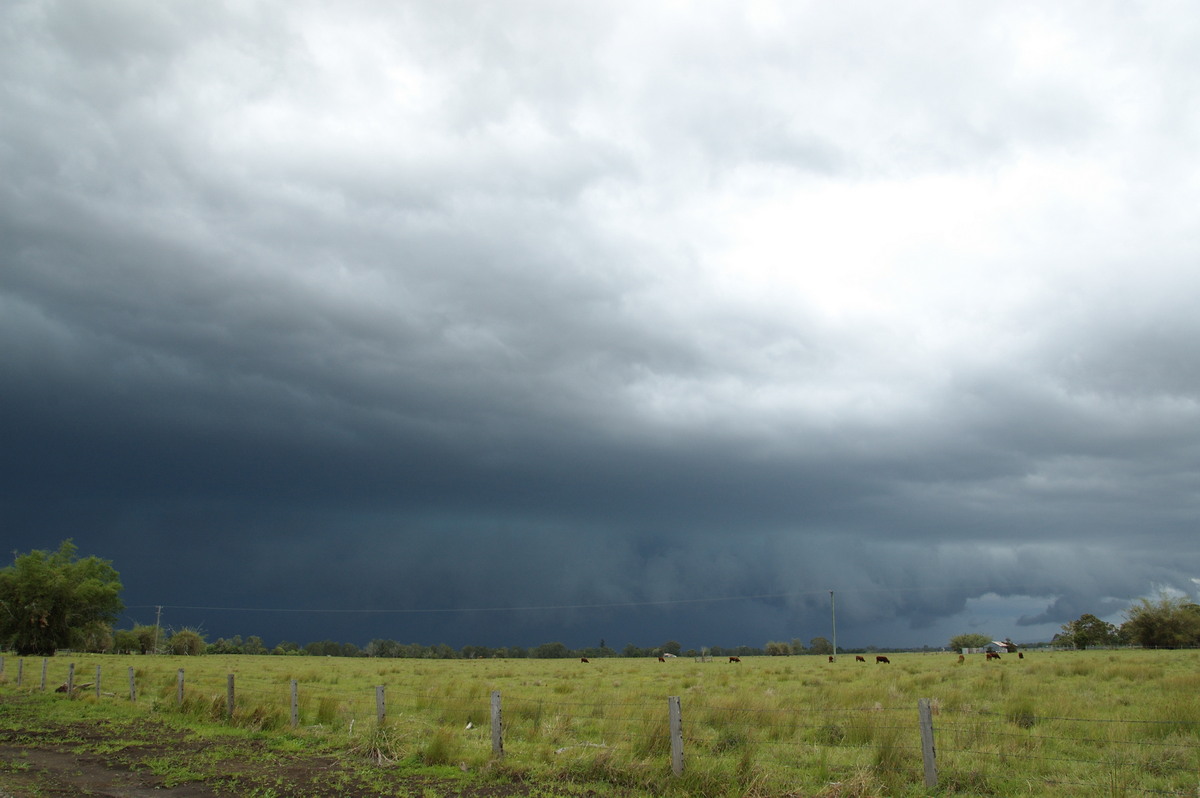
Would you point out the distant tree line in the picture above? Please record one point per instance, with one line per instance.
(1169, 622)
(51, 601)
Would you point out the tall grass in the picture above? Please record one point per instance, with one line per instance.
(1063, 723)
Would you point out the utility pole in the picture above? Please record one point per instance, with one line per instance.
(158, 620)
(833, 612)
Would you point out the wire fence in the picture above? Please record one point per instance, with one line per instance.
(959, 750)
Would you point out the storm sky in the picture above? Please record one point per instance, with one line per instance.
(508, 323)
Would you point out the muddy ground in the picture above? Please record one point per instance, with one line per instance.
(141, 758)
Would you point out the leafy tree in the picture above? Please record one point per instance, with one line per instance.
(819, 645)
(777, 649)
(381, 647)
(971, 640)
(254, 645)
(125, 641)
(478, 652)
(186, 642)
(231, 646)
(146, 637)
(47, 599)
(671, 647)
(94, 638)
(1088, 630)
(1170, 622)
(323, 648)
(550, 651)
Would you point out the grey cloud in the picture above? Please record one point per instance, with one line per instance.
(423, 314)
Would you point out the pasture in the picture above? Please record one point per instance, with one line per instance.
(1113, 723)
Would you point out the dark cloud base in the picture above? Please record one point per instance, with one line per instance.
(389, 316)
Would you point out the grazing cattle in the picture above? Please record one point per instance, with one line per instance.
(882, 659)
(735, 659)
(993, 655)
(662, 659)
(831, 658)
(859, 658)
(583, 659)
(961, 659)
(1020, 655)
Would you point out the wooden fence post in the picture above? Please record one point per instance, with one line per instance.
(20, 669)
(71, 680)
(179, 688)
(229, 698)
(97, 681)
(44, 662)
(295, 704)
(379, 704)
(497, 726)
(927, 750)
(676, 718)
(132, 686)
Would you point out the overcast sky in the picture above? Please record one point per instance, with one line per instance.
(508, 323)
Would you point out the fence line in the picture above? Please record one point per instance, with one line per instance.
(937, 736)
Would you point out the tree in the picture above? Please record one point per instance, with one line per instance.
(672, 647)
(1088, 630)
(382, 647)
(231, 646)
(47, 599)
(819, 645)
(125, 641)
(970, 640)
(144, 638)
(550, 651)
(254, 645)
(1170, 622)
(778, 649)
(94, 638)
(187, 642)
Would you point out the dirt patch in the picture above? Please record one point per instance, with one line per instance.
(47, 759)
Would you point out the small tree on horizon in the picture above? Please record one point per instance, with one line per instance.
(187, 642)
(969, 640)
(1088, 630)
(820, 645)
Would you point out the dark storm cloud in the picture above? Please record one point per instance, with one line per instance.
(544, 322)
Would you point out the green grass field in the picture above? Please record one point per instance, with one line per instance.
(1111, 723)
